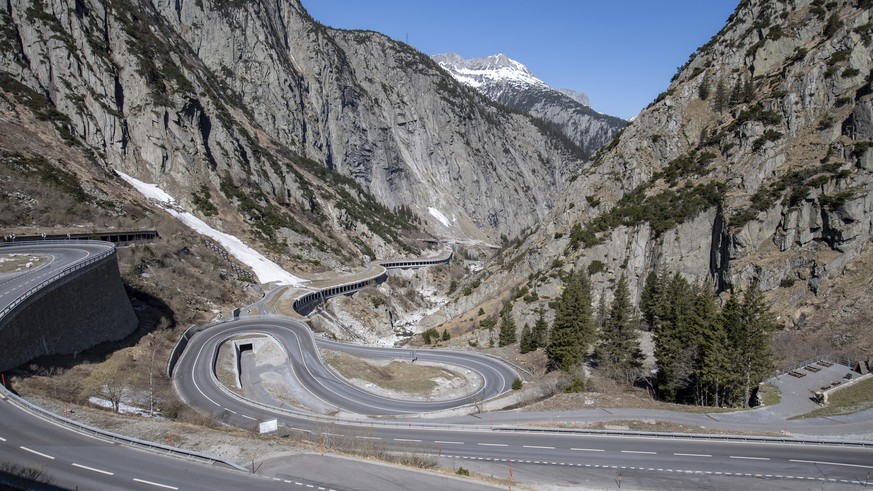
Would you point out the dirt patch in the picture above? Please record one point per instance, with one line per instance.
(403, 378)
(13, 263)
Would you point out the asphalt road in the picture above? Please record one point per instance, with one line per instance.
(76, 460)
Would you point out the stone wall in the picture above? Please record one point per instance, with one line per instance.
(72, 314)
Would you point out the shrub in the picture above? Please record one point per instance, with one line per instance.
(576, 385)
(516, 384)
(595, 267)
(462, 472)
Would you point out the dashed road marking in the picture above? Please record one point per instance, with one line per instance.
(80, 466)
(539, 447)
(493, 444)
(588, 449)
(37, 453)
(831, 463)
(406, 440)
(749, 458)
(692, 455)
(156, 484)
(2, 439)
(448, 443)
(640, 452)
(248, 417)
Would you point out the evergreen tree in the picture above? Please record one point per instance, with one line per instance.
(619, 348)
(573, 329)
(721, 97)
(540, 332)
(737, 93)
(748, 90)
(527, 343)
(703, 89)
(714, 375)
(602, 311)
(674, 339)
(749, 330)
(649, 298)
(507, 326)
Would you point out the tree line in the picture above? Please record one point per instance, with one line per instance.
(706, 353)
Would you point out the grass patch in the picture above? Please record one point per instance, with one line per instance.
(400, 376)
(852, 399)
(770, 396)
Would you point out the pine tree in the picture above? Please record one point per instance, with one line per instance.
(674, 339)
(737, 93)
(573, 329)
(602, 311)
(703, 89)
(527, 343)
(720, 100)
(748, 90)
(507, 326)
(714, 376)
(649, 298)
(749, 329)
(540, 332)
(619, 348)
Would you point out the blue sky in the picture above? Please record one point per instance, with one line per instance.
(621, 53)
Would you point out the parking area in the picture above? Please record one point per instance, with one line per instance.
(798, 386)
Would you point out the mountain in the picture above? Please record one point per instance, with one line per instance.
(754, 168)
(291, 129)
(511, 84)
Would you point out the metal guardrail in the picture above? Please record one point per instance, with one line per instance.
(839, 360)
(75, 425)
(64, 272)
(690, 436)
(115, 437)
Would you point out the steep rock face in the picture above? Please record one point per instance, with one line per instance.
(186, 93)
(752, 168)
(510, 83)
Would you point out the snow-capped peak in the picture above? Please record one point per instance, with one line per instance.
(497, 68)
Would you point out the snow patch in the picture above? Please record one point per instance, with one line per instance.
(439, 216)
(267, 271)
(122, 407)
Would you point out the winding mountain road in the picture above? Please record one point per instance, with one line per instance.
(75, 459)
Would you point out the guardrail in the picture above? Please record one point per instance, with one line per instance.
(114, 437)
(839, 360)
(75, 425)
(64, 272)
(688, 436)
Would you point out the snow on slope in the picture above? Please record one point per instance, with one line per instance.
(439, 216)
(267, 271)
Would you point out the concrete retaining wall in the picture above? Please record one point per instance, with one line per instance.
(80, 310)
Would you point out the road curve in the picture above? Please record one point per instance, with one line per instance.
(196, 383)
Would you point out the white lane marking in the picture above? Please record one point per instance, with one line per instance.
(37, 453)
(749, 458)
(405, 440)
(831, 463)
(692, 455)
(2, 439)
(493, 444)
(588, 449)
(537, 446)
(249, 417)
(80, 466)
(154, 484)
(449, 443)
(369, 437)
(639, 451)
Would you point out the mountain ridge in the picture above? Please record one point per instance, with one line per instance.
(511, 84)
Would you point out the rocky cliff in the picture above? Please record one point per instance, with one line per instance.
(255, 115)
(511, 84)
(753, 167)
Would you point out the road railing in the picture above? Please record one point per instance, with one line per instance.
(78, 265)
(114, 437)
(687, 436)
